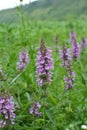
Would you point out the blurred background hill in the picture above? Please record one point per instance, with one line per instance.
(48, 10)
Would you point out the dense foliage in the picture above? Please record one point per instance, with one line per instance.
(38, 108)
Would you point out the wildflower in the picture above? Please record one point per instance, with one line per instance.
(67, 64)
(65, 56)
(7, 110)
(84, 127)
(75, 50)
(75, 46)
(69, 80)
(72, 37)
(83, 44)
(35, 109)
(23, 60)
(44, 65)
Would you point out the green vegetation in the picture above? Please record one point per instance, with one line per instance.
(63, 110)
(60, 109)
(49, 10)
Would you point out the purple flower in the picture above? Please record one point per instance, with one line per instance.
(69, 80)
(84, 43)
(23, 60)
(44, 65)
(72, 37)
(7, 110)
(75, 46)
(75, 50)
(65, 56)
(67, 64)
(35, 109)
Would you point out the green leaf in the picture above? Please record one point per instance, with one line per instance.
(53, 100)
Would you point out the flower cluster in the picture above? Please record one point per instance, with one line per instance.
(44, 65)
(72, 37)
(65, 56)
(84, 43)
(35, 109)
(75, 46)
(7, 110)
(66, 63)
(75, 50)
(69, 80)
(23, 60)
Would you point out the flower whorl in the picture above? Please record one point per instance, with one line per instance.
(44, 64)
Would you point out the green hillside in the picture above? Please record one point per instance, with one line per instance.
(48, 10)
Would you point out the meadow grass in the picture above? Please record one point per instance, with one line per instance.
(63, 110)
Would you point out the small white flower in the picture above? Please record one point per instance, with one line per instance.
(83, 127)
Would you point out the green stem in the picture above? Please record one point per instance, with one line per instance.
(17, 77)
